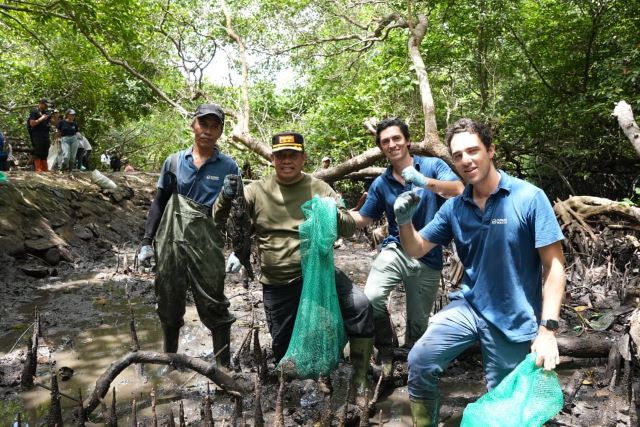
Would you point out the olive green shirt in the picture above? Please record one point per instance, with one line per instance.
(275, 210)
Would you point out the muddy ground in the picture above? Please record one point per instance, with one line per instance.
(68, 248)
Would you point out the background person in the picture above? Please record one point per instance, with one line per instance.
(509, 241)
(67, 130)
(434, 180)
(188, 246)
(39, 128)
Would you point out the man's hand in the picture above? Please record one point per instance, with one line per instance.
(410, 174)
(145, 256)
(233, 263)
(230, 186)
(405, 206)
(546, 348)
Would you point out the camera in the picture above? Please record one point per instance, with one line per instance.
(50, 110)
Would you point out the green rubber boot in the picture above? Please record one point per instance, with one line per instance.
(360, 354)
(384, 344)
(425, 412)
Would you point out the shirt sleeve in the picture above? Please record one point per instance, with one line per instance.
(164, 181)
(543, 220)
(374, 206)
(439, 229)
(442, 171)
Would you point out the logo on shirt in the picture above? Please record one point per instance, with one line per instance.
(498, 221)
(213, 178)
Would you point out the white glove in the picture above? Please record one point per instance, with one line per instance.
(233, 263)
(145, 256)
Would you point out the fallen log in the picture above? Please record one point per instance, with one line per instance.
(178, 360)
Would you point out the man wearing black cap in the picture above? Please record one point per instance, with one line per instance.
(274, 205)
(188, 246)
(39, 127)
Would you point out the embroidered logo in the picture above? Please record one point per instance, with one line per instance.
(213, 178)
(498, 221)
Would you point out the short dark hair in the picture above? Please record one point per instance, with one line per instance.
(471, 126)
(392, 121)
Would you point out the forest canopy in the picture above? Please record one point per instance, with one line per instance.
(544, 74)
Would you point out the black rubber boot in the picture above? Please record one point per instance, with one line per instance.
(171, 338)
(384, 344)
(425, 412)
(221, 343)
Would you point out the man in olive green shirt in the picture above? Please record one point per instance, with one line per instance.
(274, 205)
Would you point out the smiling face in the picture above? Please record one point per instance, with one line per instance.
(207, 130)
(472, 160)
(288, 165)
(393, 144)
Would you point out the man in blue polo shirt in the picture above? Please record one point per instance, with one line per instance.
(188, 246)
(434, 180)
(509, 242)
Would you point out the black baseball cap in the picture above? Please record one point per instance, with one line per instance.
(206, 109)
(45, 101)
(287, 141)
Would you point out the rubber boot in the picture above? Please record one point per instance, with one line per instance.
(425, 412)
(221, 344)
(171, 337)
(384, 344)
(360, 355)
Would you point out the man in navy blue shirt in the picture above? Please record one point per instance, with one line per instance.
(509, 242)
(435, 181)
(188, 246)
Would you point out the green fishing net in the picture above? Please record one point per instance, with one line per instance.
(527, 397)
(318, 334)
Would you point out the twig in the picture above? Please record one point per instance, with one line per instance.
(20, 337)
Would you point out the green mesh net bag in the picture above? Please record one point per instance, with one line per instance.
(318, 334)
(527, 397)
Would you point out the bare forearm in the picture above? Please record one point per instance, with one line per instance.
(412, 243)
(361, 221)
(554, 284)
(446, 189)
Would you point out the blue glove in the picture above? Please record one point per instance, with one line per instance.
(405, 206)
(233, 263)
(230, 186)
(410, 174)
(145, 256)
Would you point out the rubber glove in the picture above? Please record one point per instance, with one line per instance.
(230, 186)
(405, 206)
(233, 263)
(410, 174)
(145, 255)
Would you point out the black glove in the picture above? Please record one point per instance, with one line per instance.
(230, 186)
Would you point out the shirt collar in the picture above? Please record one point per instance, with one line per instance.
(389, 172)
(189, 155)
(503, 185)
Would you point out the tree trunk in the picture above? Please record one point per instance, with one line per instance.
(624, 114)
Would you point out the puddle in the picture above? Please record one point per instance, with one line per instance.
(95, 332)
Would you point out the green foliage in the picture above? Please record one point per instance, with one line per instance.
(544, 74)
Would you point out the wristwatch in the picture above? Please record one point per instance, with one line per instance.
(550, 324)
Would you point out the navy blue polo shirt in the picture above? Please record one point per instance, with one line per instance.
(499, 250)
(200, 185)
(385, 189)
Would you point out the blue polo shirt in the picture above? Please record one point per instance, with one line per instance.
(385, 189)
(200, 185)
(498, 248)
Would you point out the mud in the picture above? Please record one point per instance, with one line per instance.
(81, 241)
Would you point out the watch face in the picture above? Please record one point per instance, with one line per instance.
(550, 324)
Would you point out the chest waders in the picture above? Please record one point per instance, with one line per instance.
(189, 253)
